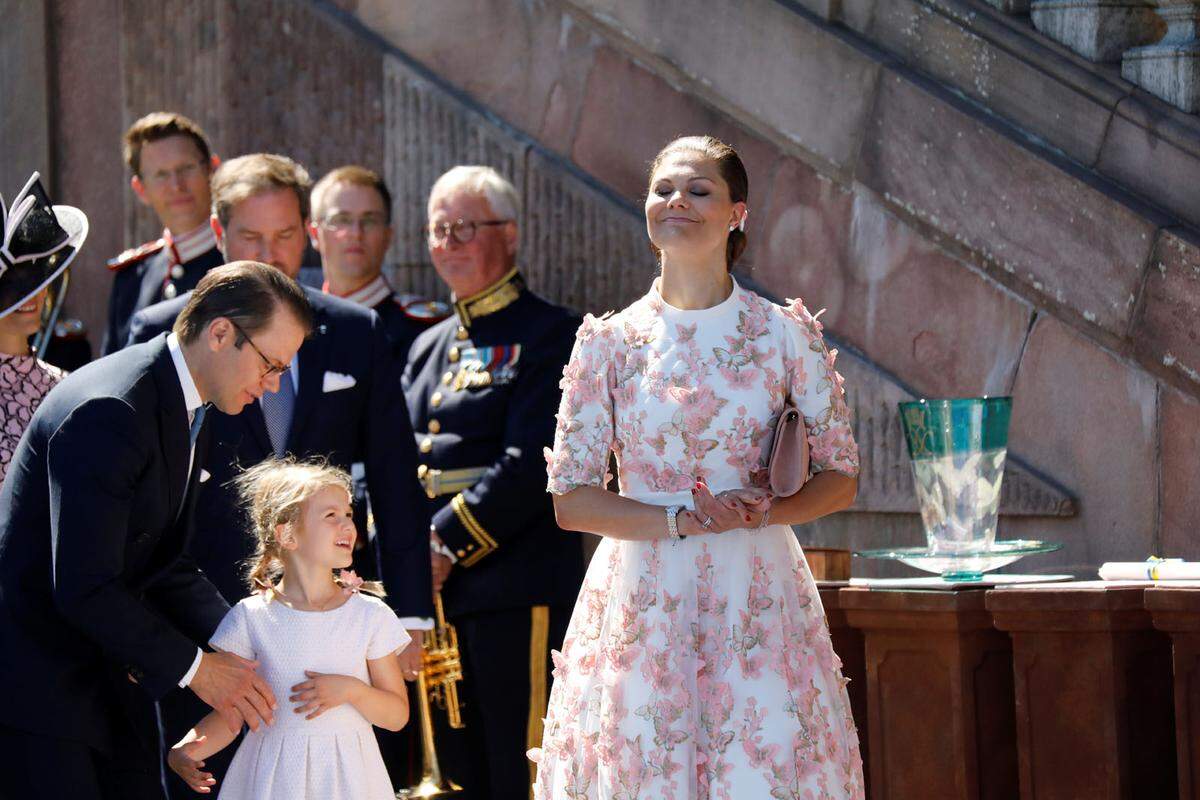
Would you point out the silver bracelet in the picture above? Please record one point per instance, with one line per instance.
(672, 525)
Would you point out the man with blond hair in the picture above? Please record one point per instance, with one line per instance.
(482, 390)
(340, 399)
(170, 161)
(352, 229)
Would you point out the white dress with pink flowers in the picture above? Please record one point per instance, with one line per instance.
(700, 668)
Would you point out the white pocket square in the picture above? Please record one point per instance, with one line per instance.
(336, 381)
(204, 475)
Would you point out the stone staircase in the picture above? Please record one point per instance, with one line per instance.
(980, 209)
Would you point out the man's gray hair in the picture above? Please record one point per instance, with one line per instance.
(482, 181)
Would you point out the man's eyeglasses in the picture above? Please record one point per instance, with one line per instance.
(272, 367)
(461, 231)
(344, 223)
(184, 173)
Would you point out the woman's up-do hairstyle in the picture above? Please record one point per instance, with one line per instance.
(732, 171)
(273, 493)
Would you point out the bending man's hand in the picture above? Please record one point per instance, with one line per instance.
(229, 684)
(411, 658)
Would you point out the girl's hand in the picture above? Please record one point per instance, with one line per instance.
(184, 764)
(323, 692)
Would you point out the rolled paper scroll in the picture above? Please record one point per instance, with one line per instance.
(1156, 569)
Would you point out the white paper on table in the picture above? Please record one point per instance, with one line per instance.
(1150, 571)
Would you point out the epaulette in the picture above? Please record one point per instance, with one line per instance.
(427, 312)
(136, 254)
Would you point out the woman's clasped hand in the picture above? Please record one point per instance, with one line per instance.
(733, 509)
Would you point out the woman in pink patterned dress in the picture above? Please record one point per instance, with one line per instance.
(24, 378)
(698, 662)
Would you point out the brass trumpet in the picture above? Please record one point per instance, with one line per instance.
(437, 683)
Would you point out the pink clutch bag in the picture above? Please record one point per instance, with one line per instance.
(787, 469)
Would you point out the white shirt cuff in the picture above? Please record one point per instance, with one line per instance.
(191, 673)
(442, 549)
(417, 623)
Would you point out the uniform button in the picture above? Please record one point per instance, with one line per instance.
(453, 355)
(426, 445)
(449, 376)
(169, 291)
(470, 547)
(461, 553)
(436, 400)
(422, 470)
(435, 426)
(177, 271)
(462, 333)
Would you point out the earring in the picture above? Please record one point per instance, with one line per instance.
(742, 224)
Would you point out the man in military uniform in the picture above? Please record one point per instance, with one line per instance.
(171, 162)
(352, 230)
(482, 392)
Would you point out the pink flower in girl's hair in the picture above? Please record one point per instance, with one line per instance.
(349, 581)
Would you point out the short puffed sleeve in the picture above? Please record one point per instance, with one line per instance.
(583, 437)
(233, 634)
(387, 633)
(816, 389)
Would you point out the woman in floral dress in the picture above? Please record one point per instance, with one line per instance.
(698, 663)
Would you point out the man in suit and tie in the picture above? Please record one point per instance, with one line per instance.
(99, 602)
(343, 402)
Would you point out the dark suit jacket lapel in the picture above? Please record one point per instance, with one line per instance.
(252, 418)
(314, 357)
(172, 423)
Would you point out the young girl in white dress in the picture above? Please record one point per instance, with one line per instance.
(698, 663)
(326, 647)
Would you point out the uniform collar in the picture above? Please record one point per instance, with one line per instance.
(193, 244)
(370, 295)
(500, 294)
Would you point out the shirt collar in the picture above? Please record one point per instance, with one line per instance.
(191, 395)
(185, 247)
(370, 295)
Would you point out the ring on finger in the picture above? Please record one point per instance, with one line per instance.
(707, 523)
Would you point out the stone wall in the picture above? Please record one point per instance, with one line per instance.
(959, 248)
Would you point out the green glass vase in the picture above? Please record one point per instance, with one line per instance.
(957, 448)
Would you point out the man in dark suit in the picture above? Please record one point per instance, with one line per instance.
(343, 403)
(482, 391)
(171, 162)
(99, 603)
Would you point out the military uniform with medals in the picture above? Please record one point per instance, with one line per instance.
(156, 271)
(482, 389)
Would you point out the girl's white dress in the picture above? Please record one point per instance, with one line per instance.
(331, 757)
(700, 668)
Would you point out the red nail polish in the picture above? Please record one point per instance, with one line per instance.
(747, 518)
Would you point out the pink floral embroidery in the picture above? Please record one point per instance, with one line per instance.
(701, 668)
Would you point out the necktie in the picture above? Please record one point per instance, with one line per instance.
(277, 412)
(197, 421)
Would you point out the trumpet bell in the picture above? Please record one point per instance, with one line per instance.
(427, 788)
